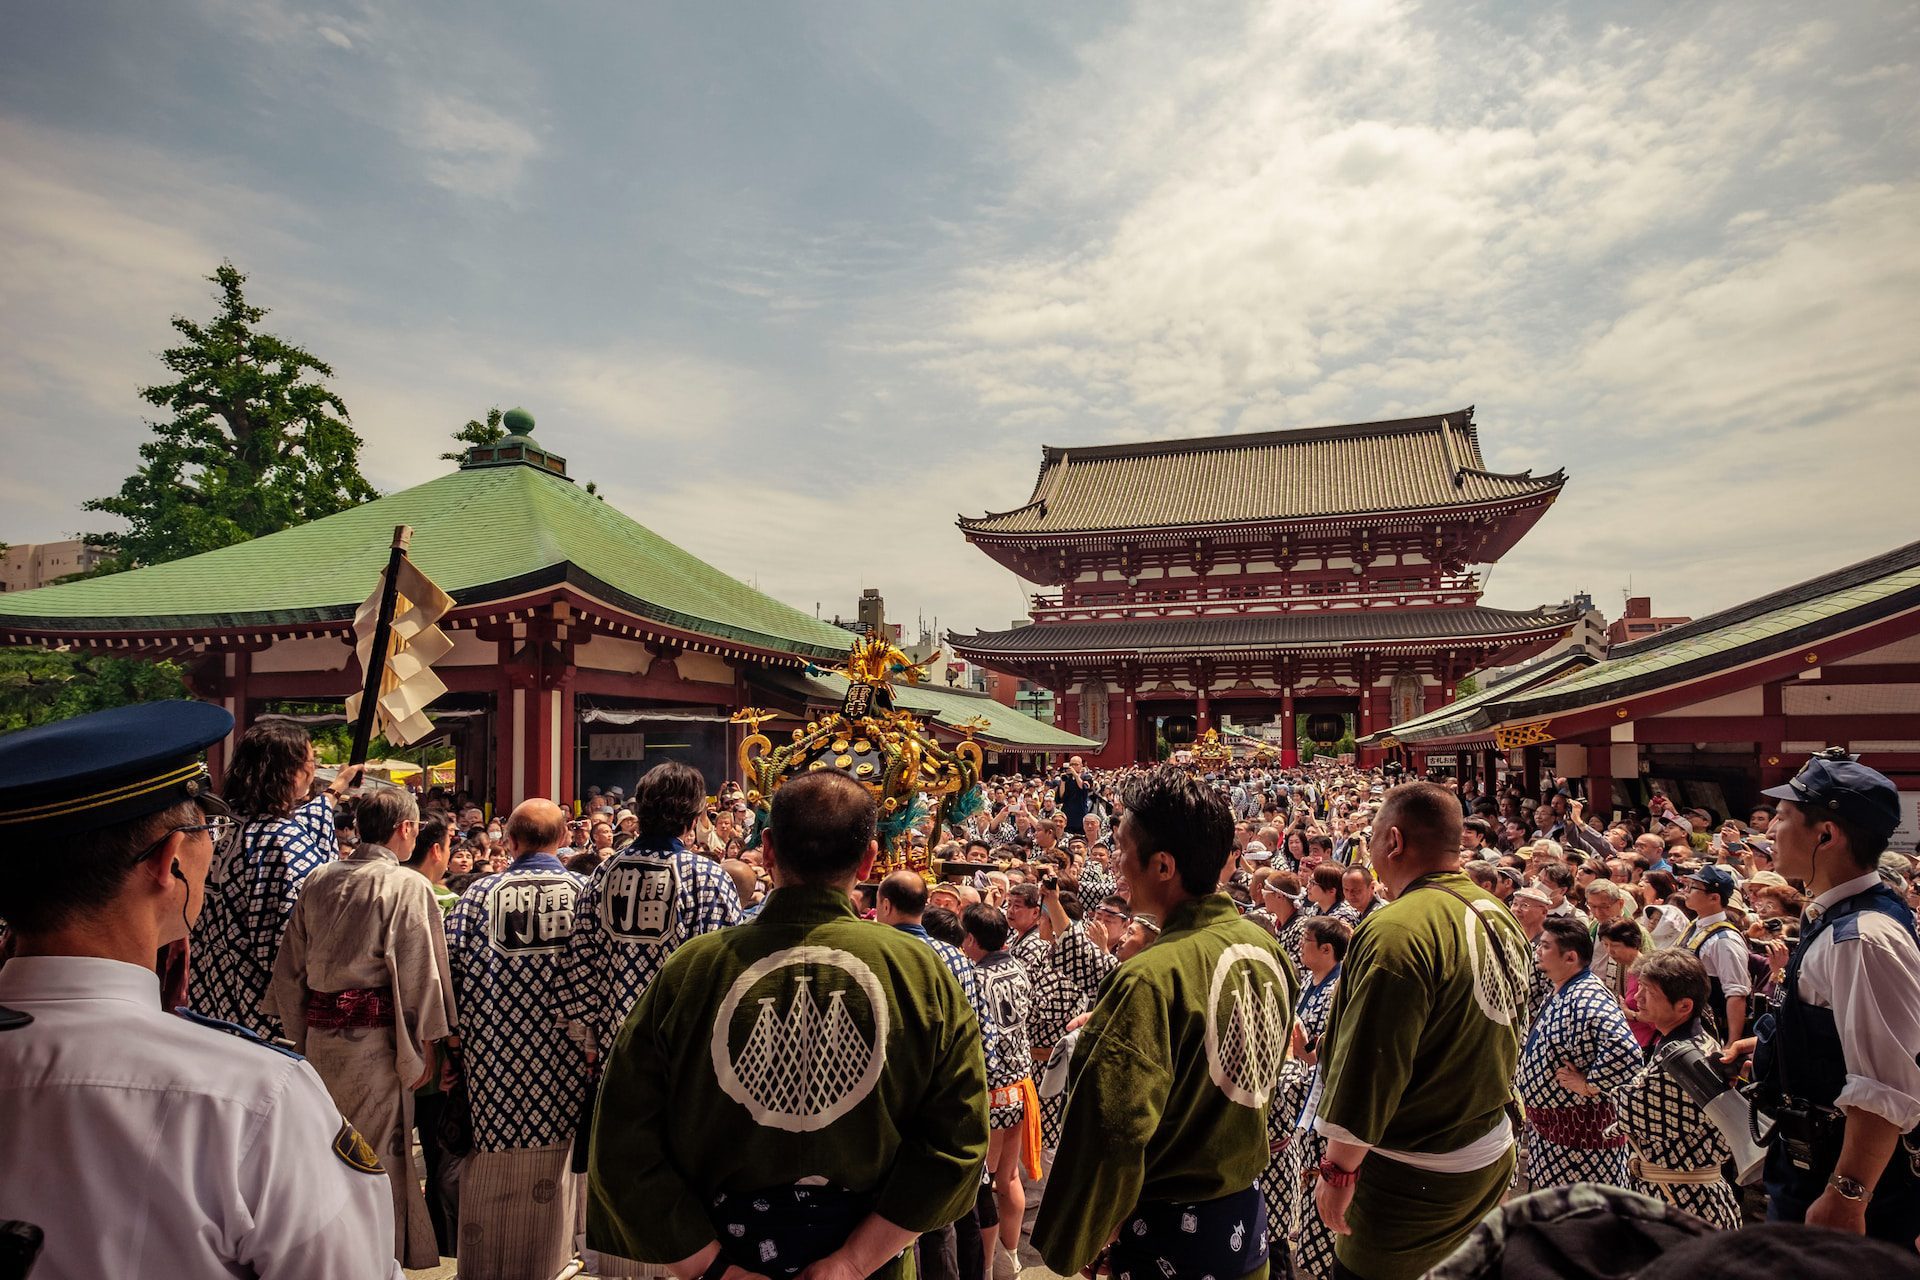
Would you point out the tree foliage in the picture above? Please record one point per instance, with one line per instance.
(38, 685)
(1467, 685)
(256, 442)
(477, 432)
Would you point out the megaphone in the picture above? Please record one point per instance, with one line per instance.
(1699, 1077)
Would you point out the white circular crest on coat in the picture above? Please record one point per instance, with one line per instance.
(1498, 985)
(803, 1069)
(1246, 1048)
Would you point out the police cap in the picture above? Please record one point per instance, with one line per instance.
(1834, 784)
(105, 768)
(1714, 879)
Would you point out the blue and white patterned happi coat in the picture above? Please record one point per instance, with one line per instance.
(639, 906)
(250, 894)
(1582, 1025)
(506, 945)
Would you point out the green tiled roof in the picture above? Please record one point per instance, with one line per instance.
(949, 708)
(481, 533)
(1406, 464)
(1780, 622)
(1458, 715)
(1785, 619)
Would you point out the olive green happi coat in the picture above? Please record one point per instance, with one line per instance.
(1419, 1056)
(1171, 1079)
(806, 1044)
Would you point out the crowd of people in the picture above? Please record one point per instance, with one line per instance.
(1171, 1022)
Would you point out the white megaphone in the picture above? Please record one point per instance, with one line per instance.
(1731, 1113)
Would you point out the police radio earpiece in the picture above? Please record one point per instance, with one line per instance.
(174, 871)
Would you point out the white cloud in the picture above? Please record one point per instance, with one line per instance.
(1259, 216)
(470, 148)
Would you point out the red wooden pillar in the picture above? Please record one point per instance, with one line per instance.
(1290, 741)
(1203, 717)
(509, 738)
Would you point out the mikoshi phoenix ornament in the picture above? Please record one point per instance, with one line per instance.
(887, 750)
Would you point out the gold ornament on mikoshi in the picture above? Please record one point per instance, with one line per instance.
(887, 750)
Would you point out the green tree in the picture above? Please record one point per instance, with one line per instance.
(256, 441)
(477, 432)
(38, 686)
(1466, 685)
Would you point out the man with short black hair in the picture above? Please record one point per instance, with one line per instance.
(1418, 1061)
(1836, 1062)
(1024, 912)
(1578, 1050)
(1165, 1130)
(805, 1044)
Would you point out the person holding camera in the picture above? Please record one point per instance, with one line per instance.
(1835, 1063)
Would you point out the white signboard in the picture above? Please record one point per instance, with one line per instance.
(1908, 833)
(617, 746)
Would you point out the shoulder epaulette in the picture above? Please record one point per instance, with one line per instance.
(1847, 927)
(237, 1031)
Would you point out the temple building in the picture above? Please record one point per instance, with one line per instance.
(1323, 576)
(1710, 712)
(586, 646)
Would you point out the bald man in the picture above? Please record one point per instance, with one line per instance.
(507, 940)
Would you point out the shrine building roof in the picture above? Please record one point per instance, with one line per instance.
(507, 523)
(1358, 629)
(1408, 464)
(1793, 629)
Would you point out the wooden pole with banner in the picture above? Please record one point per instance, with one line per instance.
(382, 637)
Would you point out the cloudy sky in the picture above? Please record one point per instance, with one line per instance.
(799, 283)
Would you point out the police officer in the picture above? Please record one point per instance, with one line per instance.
(1836, 1062)
(140, 1142)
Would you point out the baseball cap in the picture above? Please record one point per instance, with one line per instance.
(1715, 879)
(1834, 783)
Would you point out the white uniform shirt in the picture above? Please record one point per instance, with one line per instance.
(1872, 984)
(145, 1145)
(1723, 955)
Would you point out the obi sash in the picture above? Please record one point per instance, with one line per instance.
(1165, 1240)
(1586, 1128)
(780, 1231)
(359, 1007)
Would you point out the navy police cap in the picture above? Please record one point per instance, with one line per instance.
(107, 767)
(1834, 784)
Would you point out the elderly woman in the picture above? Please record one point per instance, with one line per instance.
(1677, 1152)
(284, 834)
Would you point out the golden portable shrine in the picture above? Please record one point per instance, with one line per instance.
(885, 749)
(1211, 752)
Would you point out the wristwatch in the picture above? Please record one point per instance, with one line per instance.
(1850, 1188)
(1334, 1176)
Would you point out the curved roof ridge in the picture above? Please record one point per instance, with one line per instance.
(1258, 439)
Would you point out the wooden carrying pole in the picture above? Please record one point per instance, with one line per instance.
(382, 636)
